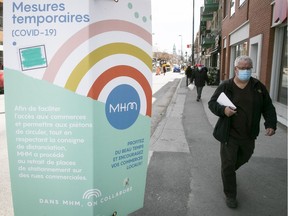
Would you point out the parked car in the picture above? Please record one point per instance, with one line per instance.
(1, 81)
(176, 68)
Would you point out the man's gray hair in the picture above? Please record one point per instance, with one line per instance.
(243, 58)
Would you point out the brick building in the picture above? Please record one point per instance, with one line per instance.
(257, 28)
(1, 31)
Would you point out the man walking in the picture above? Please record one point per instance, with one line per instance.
(200, 76)
(238, 128)
(188, 73)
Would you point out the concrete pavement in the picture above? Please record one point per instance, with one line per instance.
(262, 182)
(184, 170)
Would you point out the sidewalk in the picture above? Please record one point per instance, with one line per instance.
(262, 182)
(184, 171)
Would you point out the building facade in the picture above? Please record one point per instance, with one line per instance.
(1, 32)
(208, 50)
(279, 75)
(257, 28)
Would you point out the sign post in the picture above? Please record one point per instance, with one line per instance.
(78, 105)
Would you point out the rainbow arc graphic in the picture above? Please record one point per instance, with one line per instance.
(105, 51)
(92, 193)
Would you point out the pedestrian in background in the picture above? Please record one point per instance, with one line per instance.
(158, 70)
(164, 70)
(238, 128)
(200, 76)
(188, 73)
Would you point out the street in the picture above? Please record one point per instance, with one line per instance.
(184, 165)
(5, 188)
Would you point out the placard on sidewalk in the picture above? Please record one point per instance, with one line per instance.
(78, 105)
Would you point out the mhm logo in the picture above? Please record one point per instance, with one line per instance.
(122, 106)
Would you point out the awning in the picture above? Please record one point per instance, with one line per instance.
(280, 11)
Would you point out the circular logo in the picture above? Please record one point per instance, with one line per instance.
(122, 106)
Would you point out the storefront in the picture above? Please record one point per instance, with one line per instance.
(279, 76)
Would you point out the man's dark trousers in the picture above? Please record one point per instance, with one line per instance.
(234, 154)
(188, 80)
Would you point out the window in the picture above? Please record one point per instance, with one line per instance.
(1, 16)
(241, 2)
(241, 49)
(283, 84)
(232, 7)
(226, 8)
(237, 50)
(1, 59)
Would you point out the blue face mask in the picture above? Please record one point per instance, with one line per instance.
(244, 75)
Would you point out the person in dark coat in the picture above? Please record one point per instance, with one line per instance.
(200, 77)
(188, 73)
(237, 129)
(164, 69)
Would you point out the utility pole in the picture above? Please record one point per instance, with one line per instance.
(181, 49)
(192, 47)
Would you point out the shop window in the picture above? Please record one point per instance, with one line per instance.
(237, 50)
(241, 2)
(1, 60)
(232, 7)
(226, 8)
(283, 84)
(241, 49)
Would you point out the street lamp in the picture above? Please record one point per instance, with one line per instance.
(192, 47)
(181, 48)
(155, 49)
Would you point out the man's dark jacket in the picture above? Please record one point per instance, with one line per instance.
(200, 77)
(188, 71)
(262, 104)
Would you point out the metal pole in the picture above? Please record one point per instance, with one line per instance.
(181, 49)
(192, 48)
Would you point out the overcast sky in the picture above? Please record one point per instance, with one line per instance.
(173, 18)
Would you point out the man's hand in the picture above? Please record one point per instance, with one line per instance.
(270, 131)
(229, 111)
